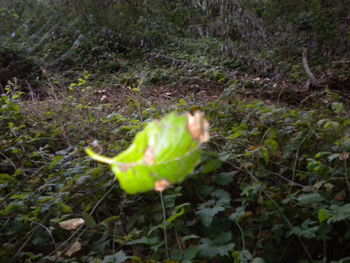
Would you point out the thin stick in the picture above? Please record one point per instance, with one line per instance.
(296, 160)
(278, 208)
(346, 174)
(324, 248)
(306, 66)
(242, 234)
(164, 226)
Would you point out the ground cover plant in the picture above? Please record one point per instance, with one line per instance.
(271, 77)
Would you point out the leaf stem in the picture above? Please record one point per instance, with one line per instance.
(98, 157)
(164, 226)
(346, 174)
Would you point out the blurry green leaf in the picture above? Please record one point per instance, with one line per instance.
(338, 213)
(223, 238)
(190, 254)
(89, 220)
(240, 212)
(209, 249)
(64, 209)
(55, 161)
(333, 157)
(271, 144)
(178, 214)
(224, 178)
(189, 237)
(310, 198)
(322, 215)
(236, 134)
(6, 178)
(338, 107)
(111, 219)
(209, 209)
(211, 165)
(331, 125)
(165, 151)
(144, 241)
(306, 230)
(118, 257)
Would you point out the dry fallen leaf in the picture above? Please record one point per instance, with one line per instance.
(75, 247)
(149, 157)
(247, 165)
(71, 224)
(198, 127)
(344, 156)
(161, 185)
(340, 196)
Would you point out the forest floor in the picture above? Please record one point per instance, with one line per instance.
(272, 186)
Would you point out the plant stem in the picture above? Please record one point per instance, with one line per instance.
(346, 174)
(164, 226)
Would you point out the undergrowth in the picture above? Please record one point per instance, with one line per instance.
(273, 183)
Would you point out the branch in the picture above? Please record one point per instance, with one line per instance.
(306, 66)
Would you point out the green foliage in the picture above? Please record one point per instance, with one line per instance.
(273, 184)
(270, 175)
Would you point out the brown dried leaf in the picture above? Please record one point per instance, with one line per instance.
(75, 247)
(71, 224)
(198, 126)
(344, 156)
(247, 165)
(161, 185)
(340, 196)
(149, 157)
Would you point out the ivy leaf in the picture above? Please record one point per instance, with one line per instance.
(178, 214)
(190, 254)
(312, 198)
(162, 154)
(209, 209)
(338, 213)
(209, 249)
(239, 213)
(118, 257)
(306, 230)
(323, 215)
(144, 241)
(211, 165)
(224, 178)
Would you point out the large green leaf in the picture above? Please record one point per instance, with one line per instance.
(163, 153)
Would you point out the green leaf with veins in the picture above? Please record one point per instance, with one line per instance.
(164, 152)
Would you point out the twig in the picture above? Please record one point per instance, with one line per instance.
(164, 226)
(346, 174)
(31, 233)
(9, 160)
(242, 234)
(296, 160)
(281, 212)
(324, 248)
(306, 66)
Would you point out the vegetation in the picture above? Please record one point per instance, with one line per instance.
(272, 78)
